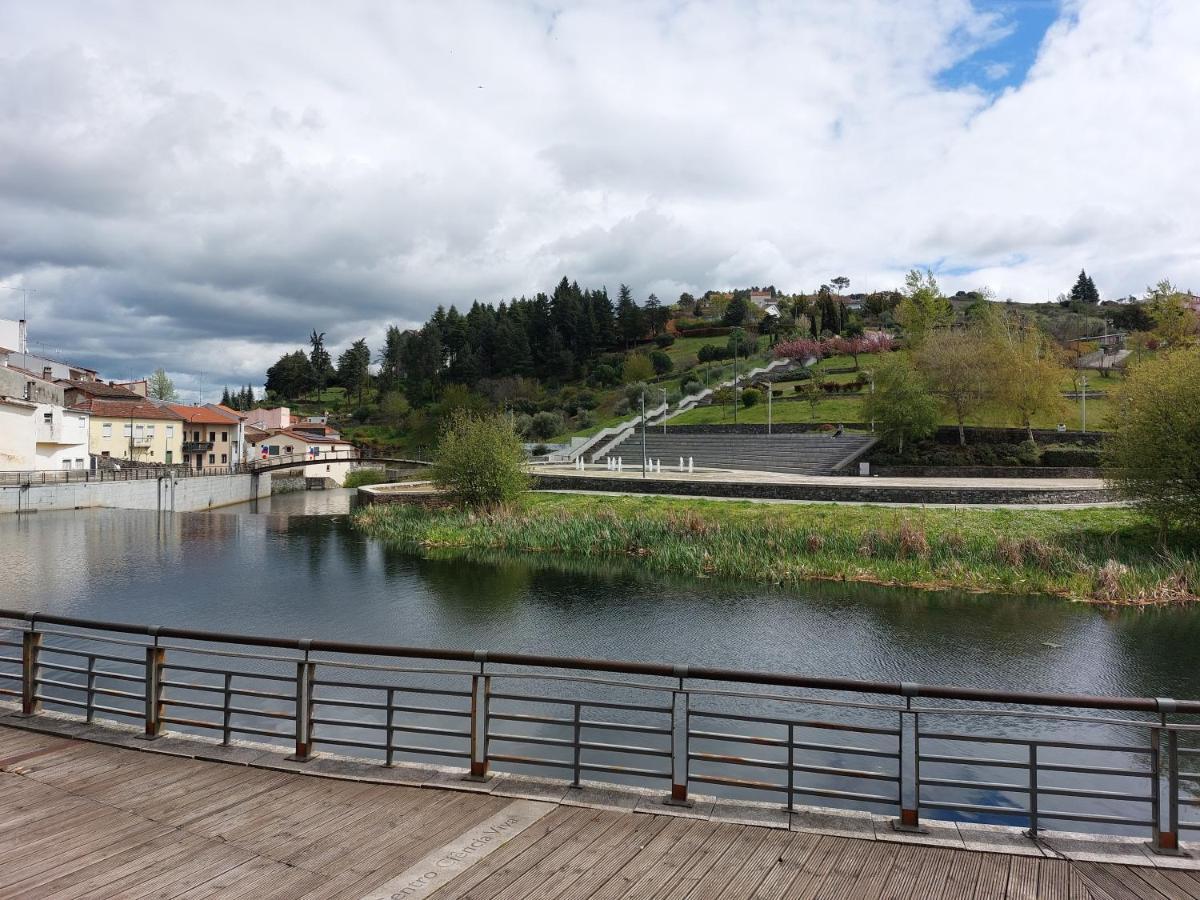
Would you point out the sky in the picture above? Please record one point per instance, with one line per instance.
(197, 186)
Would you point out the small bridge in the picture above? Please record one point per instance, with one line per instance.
(299, 460)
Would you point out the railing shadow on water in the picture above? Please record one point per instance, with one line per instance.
(1103, 764)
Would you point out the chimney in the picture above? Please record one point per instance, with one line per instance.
(46, 373)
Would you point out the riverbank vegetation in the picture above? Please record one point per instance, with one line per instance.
(1107, 555)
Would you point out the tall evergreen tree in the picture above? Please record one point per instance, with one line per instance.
(1084, 289)
(226, 400)
(321, 362)
(354, 371)
(630, 324)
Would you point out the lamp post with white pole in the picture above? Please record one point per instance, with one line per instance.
(643, 432)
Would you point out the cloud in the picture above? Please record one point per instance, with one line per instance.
(198, 186)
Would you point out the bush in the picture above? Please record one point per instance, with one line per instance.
(691, 386)
(637, 368)
(604, 376)
(545, 425)
(621, 408)
(633, 393)
(1087, 457)
(713, 353)
(585, 419)
(662, 362)
(1153, 451)
(479, 461)
(750, 397)
(359, 477)
(1028, 453)
(665, 340)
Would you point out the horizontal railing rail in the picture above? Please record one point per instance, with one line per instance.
(1026, 758)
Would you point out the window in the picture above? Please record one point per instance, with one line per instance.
(224, 458)
(150, 431)
(212, 436)
(106, 430)
(196, 436)
(48, 418)
(79, 463)
(212, 458)
(170, 432)
(128, 429)
(224, 435)
(66, 464)
(83, 421)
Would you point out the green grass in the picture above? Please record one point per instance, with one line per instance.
(1103, 555)
(359, 477)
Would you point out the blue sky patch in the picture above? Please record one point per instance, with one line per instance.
(1005, 61)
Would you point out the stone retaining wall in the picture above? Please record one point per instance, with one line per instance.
(985, 471)
(837, 493)
(163, 494)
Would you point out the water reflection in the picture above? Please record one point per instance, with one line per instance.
(296, 567)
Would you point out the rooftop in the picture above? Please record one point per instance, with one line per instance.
(127, 409)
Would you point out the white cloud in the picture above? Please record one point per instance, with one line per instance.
(199, 185)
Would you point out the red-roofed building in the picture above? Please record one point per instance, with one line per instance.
(214, 435)
(280, 442)
(135, 430)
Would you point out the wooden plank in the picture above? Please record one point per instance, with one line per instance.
(520, 854)
(935, 867)
(645, 859)
(962, 877)
(814, 869)
(785, 869)
(1023, 878)
(724, 867)
(1054, 879)
(676, 859)
(1183, 881)
(1159, 880)
(754, 870)
(599, 862)
(846, 864)
(1115, 883)
(993, 875)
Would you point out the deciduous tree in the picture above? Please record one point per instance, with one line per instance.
(901, 405)
(923, 307)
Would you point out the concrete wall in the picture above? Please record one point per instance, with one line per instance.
(165, 493)
(18, 449)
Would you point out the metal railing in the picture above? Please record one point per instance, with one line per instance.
(141, 473)
(908, 750)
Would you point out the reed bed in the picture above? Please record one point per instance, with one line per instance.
(1111, 556)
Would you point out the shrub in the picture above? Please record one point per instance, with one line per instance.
(585, 419)
(713, 353)
(545, 425)
(665, 340)
(638, 367)
(604, 376)
(359, 477)
(1151, 454)
(1028, 453)
(479, 461)
(662, 362)
(691, 386)
(1071, 456)
(621, 408)
(750, 397)
(633, 393)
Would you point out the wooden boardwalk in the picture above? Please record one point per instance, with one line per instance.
(80, 819)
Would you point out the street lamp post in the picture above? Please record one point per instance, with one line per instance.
(643, 432)
(664, 393)
(735, 350)
(770, 393)
(1083, 406)
(871, 375)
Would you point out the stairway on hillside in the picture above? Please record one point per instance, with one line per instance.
(797, 454)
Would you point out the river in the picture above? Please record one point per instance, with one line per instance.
(293, 566)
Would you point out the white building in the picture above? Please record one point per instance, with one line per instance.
(36, 430)
(14, 351)
(286, 442)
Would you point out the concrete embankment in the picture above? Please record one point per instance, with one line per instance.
(165, 494)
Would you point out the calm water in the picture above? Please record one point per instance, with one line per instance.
(293, 566)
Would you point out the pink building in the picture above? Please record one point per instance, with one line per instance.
(270, 419)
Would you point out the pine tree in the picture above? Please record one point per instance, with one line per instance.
(1084, 290)
(226, 400)
(630, 324)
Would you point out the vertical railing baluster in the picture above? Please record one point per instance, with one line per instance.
(578, 729)
(1033, 790)
(31, 647)
(681, 726)
(791, 761)
(227, 710)
(305, 672)
(90, 698)
(910, 763)
(481, 692)
(155, 658)
(1164, 841)
(390, 731)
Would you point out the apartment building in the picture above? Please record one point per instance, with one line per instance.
(134, 430)
(214, 435)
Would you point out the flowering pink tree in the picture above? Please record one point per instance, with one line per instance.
(877, 342)
(801, 350)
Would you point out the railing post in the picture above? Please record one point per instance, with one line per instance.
(305, 671)
(910, 764)
(31, 646)
(227, 710)
(481, 691)
(791, 760)
(1033, 791)
(90, 699)
(390, 730)
(1164, 841)
(578, 731)
(680, 725)
(155, 657)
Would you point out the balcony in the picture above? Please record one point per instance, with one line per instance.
(197, 446)
(142, 441)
